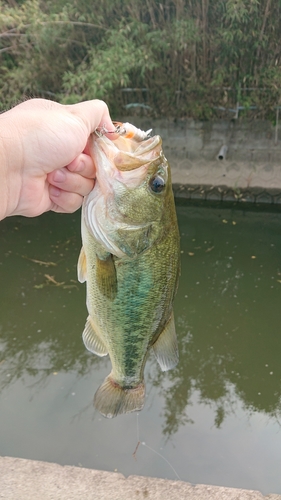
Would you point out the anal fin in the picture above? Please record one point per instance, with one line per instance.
(92, 341)
(166, 346)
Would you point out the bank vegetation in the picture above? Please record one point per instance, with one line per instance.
(169, 57)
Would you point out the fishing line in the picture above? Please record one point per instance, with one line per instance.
(139, 442)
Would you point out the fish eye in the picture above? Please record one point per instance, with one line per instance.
(157, 184)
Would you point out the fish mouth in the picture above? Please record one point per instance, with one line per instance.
(144, 153)
(128, 154)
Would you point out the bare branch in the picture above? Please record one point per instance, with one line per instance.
(6, 49)
(11, 32)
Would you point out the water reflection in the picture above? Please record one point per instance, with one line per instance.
(227, 315)
(42, 306)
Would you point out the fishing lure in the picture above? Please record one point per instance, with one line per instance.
(126, 130)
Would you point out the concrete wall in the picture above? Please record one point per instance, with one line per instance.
(187, 139)
(250, 171)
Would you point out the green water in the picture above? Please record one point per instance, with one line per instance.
(214, 419)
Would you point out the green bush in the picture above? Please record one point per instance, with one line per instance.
(192, 57)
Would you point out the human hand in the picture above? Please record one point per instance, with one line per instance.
(44, 155)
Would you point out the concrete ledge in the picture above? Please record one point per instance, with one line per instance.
(22, 479)
(221, 181)
(244, 175)
(207, 192)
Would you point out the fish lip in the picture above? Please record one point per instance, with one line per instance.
(148, 144)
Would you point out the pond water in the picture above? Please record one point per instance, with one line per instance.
(214, 419)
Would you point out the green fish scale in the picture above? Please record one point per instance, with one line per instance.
(131, 321)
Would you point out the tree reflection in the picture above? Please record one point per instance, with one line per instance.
(221, 376)
(41, 320)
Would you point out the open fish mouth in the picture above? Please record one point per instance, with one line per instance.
(133, 147)
(145, 153)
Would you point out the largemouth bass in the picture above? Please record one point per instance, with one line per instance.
(130, 261)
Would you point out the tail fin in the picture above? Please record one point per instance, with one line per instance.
(112, 400)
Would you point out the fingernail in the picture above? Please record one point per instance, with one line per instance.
(54, 191)
(59, 176)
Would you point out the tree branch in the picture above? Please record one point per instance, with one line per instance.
(11, 32)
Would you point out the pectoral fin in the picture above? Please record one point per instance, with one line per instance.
(92, 341)
(166, 346)
(82, 266)
(106, 277)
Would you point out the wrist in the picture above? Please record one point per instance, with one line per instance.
(10, 168)
(4, 190)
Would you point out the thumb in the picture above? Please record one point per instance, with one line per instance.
(94, 114)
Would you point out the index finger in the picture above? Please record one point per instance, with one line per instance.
(83, 165)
